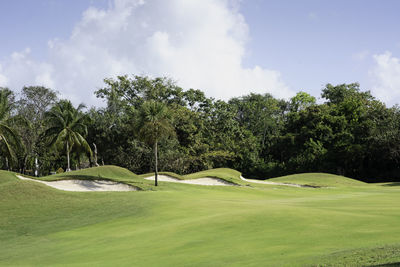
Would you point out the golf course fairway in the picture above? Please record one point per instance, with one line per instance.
(342, 224)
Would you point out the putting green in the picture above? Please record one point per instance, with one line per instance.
(178, 224)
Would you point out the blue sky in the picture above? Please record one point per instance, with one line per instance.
(27, 23)
(226, 48)
(316, 42)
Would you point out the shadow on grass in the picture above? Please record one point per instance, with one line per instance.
(392, 184)
(386, 265)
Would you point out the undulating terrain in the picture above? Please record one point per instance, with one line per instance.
(341, 222)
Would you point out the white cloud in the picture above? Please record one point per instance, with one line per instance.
(200, 44)
(386, 78)
(19, 70)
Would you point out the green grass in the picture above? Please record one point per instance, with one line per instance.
(171, 174)
(318, 179)
(385, 255)
(226, 174)
(188, 225)
(112, 173)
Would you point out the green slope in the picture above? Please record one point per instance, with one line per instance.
(226, 174)
(171, 174)
(186, 225)
(6, 177)
(318, 179)
(109, 172)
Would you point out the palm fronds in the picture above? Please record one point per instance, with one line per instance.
(66, 128)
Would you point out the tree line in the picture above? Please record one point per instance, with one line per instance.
(351, 133)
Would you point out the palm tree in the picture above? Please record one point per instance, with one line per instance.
(154, 125)
(66, 127)
(9, 139)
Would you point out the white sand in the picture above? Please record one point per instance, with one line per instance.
(273, 183)
(85, 185)
(199, 181)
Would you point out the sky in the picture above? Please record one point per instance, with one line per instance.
(226, 48)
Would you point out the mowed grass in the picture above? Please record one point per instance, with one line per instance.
(226, 174)
(189, 225)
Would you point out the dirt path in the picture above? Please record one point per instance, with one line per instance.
(84, 185)
(199, 181)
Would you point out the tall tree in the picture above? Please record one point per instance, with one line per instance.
(301, 101)
(134, 91)
(261, 114)
(9, 139)
(66, 128)
(154, 125)
(34, 102)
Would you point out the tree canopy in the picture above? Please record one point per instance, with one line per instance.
(351, 133)
(66, 127)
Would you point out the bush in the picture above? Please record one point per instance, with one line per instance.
(265, 170)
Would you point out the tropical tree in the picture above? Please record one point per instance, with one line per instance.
(9, 139)
(66, 128)
(154, 125)
(32, 106)
(301, 101)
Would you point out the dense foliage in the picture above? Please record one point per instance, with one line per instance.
(351, 133)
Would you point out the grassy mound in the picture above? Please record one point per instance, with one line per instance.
(103, 172)
(226, 174)
(112, 173)
(171, 174)
(123, 175)
(6, 177)
(318, 179)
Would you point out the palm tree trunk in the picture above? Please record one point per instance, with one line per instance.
(36, 167)
(90, 161)
(68, 167)
(95, 155)
(156, 164)
(24, 164)
(79, 161)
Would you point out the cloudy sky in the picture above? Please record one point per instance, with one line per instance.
(226, 48)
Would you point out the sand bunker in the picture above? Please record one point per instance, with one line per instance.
(85, 185)
(199, 181)
(274, 183)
